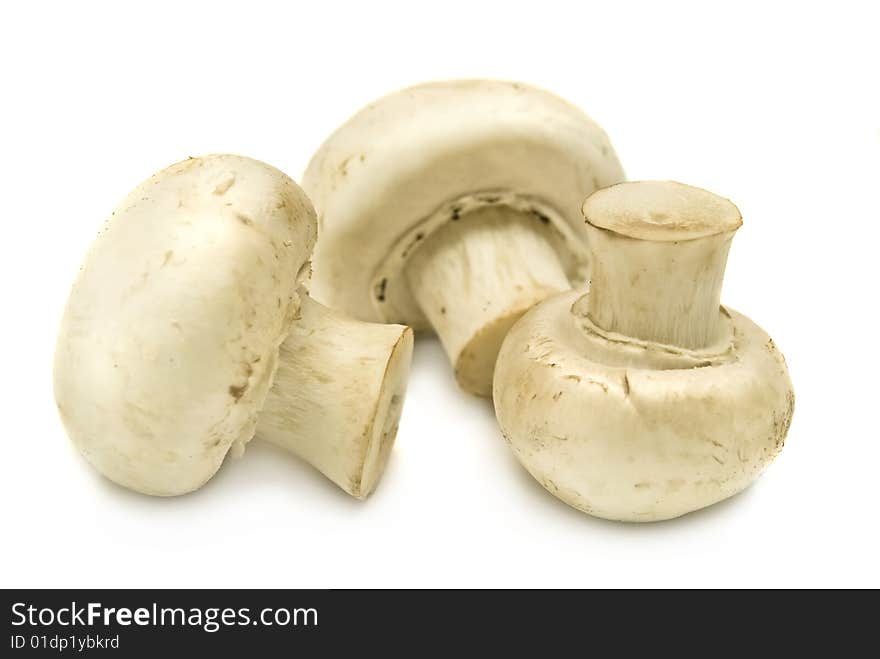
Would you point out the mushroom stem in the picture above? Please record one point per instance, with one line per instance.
(338, 395)
(658, 278)
(474, 277)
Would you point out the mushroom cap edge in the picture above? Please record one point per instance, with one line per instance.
(409, 162)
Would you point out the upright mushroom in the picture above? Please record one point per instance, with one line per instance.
(644, 398)
(454, 206)
(186, 332)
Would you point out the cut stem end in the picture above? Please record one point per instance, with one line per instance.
(658, 251)
(338, 395)
(473, 279)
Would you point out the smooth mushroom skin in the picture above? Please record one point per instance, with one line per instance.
(169, 344)
(405, 183)
(628, 427)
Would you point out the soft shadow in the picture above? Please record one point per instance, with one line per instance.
(430, 361)
(542, 497)
(699, 517)
(262, 463)
(265, 463)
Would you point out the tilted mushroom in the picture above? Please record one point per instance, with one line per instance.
(454, 206)
(644, 398)
(186, 332)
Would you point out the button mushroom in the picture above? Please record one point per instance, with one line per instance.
(460, 201)
(644, 398)
(186, 331)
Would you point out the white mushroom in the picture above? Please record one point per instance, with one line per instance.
(644, 398)
(169, 346)
(454, 206)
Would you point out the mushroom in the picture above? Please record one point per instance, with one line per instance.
(187, 331)
(459, 202)
(644, 398)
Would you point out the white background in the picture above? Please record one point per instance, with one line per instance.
(774, 106)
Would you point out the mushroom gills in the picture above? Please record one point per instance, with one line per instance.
(409, 180)
(475, 276)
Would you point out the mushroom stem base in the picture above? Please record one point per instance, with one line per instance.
(475, 277)
(338, 395)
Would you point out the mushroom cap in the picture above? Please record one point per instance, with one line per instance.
(639, 443)
(661, 211)
(170, 337)
(408, 163)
